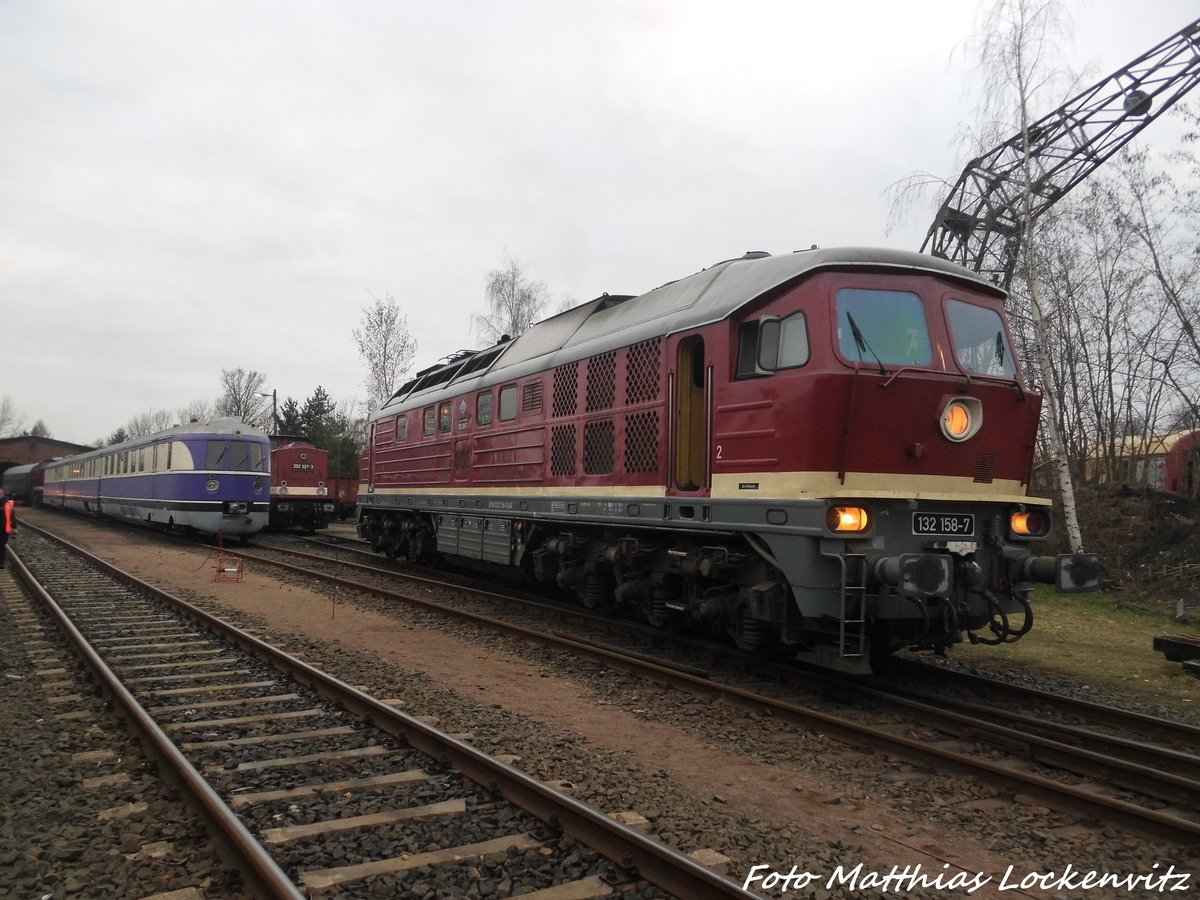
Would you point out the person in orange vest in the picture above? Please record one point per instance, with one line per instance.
(8, 525)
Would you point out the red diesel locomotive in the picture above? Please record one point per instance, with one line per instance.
(300, 497)
(827, 451)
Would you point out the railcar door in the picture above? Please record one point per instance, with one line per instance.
(691, 464)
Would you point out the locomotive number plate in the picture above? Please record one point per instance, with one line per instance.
(943, 523)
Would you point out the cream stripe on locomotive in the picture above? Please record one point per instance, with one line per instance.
(820, 485)
(287, 490)
(775, 486)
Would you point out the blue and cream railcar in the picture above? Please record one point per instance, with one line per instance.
(213, 477)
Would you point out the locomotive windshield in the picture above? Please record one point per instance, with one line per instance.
(887, 328)
(980, 342)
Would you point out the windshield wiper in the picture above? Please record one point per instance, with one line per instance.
(862, 344)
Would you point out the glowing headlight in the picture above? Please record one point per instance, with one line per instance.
(1031, 523)
(847, 519)
(961, 418)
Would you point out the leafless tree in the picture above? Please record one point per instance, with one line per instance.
(1016, 45)
(150, 421)
(243, 397)
(196, 410)
(386, 346)
(10, 419)
(1107, 332)
(514, 302)
(1163, 214)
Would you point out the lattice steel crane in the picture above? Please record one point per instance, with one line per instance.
(980, 224)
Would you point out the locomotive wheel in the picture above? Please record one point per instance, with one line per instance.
(657, 612)
(418, 547)
(749, 633)
(598, 591)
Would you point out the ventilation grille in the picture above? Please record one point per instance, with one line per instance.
(643, 371)
(531, 397)
(462, 459)
(641, 442)
(602, 381)
(599, 439)
(566, 381)
(985, 468)
(562, 450)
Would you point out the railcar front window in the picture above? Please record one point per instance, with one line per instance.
(217, 453)
(884, 328)
(239, 456)
(980, 342)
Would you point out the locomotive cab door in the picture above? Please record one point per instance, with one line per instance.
(690, 460)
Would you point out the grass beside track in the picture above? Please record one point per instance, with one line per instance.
(1094, 639)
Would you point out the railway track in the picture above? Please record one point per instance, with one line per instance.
(319, 789)
(1086, 760)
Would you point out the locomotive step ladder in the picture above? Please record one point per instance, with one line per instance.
(852, 617)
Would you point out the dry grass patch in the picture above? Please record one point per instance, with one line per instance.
(1093, 639)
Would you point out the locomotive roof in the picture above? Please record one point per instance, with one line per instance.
(708, 296)
(219, 426)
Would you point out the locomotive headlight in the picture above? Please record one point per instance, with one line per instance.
(961, 418)
(1030, 523)
(847, 519)
(212, 485)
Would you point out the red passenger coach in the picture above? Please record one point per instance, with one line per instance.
(300, 498)
(827, 452)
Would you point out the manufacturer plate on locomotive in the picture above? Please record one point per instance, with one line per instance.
(943, 523)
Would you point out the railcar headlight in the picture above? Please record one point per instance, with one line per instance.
(961, 418)
(1029, 523)
(847, 519)
(212, 485)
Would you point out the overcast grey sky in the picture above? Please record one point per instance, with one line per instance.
(192, 186)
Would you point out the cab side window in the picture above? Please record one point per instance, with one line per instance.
(768, 345)
(508, 403)
(483, 408)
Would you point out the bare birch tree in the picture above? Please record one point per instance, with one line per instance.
(1016, 43)
(514, 302)
(386, 346)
